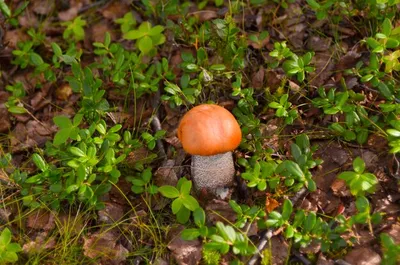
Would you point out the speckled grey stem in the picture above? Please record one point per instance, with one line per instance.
(213, 173)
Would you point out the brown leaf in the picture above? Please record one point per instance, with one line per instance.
(5, 123)
(270, 203)
(115, 9)
(279, 250)
(12, 37)
(334, 156)
(42, 8)
(205, 15)
(217, 208)
(394, 232)
(185, 252)
(111, 213)
(318, 44)
(28, 19)
(72, 12)
(166, 175)
(340, 189)
(63, 92)
(363, 256)
(348, 60)
(39, 244)
(257, 80)
(324, 67)
(104, 246)
(273, 79)
(41, 220)
(98, 31)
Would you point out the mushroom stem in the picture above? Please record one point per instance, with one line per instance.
(213, 173)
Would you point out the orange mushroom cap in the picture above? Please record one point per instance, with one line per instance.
(209, 130)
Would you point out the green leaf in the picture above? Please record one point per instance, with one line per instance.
(17, 110)
(185, 188)
(384, 90)
(5, 9)
(347, 175)
(56, 187)
(76, 151)
(39, 162)
(372, 43)
(146, 175)
(190, 202)
(190, 234)
(10, 256)
(294, 169)
(5, 237)
(62, 122)
(359, 165)
(393, 132)
(313, 4)
(183, 215)
(217, 67)
(156, 30)
(72, 188)
(387, 27)
(289, 232)
(137, 189)
(274, 105)
(310, 221)
(176, 205)
(56, 49)
(36, 59)
(14, 247)
(227, 232)
(169, 191)
(134, 34)
(61, 136)
(287, 209)
(145, 44)
(138, 182)
(199, 217)
(362, 204)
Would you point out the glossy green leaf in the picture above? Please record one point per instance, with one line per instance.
(176, 205)
(190, 202)
(169, 191)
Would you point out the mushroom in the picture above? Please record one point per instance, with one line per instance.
(209, 133)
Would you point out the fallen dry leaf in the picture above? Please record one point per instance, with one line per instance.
(394, 232)
(218, 210)
(185, 252)
(111, 213)
(165, 174)
(42, 7)
(39, 244)
(257, 79)
(324, 67)
(363, 256)
(318, 44)
(270, 203)
(279, 250)
(104, 246)
(340, 188)
(115, 9)
(5, 123)
(63, 92)
(41, 220)
(72, 12)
